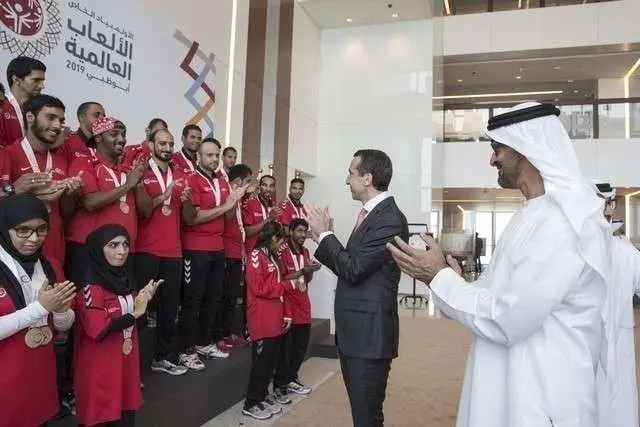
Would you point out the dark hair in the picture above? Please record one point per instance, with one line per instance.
(215, 141)
(239, 171)
(226, 150)
(82, 109)
(269, 230)
(38, 102)
(155, 121)
(154, 134)
(297, 181)
(297, 222)
(22, 66)
(378, 164)
(187, 128)
(2, 89)
(263, 177)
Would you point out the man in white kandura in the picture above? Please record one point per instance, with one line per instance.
(617, 390)
(537, 311)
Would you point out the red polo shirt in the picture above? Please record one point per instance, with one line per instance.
(253, 212)
(97, 178)
(206, 236)
(15, 165)
(159, 235)
(75, 146)
(10, 129)
(297, 301)
(184, 163)
(135, 152)
(290, 212)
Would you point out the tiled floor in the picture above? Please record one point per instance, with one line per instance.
(314, 372)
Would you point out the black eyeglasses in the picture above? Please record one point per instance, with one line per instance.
(26, 232)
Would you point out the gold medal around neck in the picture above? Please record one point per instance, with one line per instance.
(124, 207)
(38, 336)
(127, 346)
(166, 210)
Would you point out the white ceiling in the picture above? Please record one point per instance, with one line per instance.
(334, 13)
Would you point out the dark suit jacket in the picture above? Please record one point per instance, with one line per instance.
(366, 301)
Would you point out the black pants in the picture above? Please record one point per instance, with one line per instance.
(202, 281)
(128, 419)
(230, 293)
(366, 383)
(264, 358)
(75, 263)
(167, 298)
(293, 348)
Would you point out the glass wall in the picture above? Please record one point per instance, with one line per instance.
(463, 123)
(465, 7)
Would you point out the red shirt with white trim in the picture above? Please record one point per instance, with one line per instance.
(206, 236)
(253, 212)
(159, 235)
(96, 177)
(135, 152)
(10, 127)
(15, 164)
(180, 161)
(297, 300)
(290, 212)
(75, 146)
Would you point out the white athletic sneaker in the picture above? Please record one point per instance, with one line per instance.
(271, 405)
(191, 361)
(298, 388)
(259, 412)
(211, 351)
(167, 367)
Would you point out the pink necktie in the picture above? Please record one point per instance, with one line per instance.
(361, 216)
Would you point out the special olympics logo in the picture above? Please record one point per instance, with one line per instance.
(29, 27)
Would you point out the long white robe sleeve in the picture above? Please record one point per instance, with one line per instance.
(617, 390)
(537, 319)
(13, 323)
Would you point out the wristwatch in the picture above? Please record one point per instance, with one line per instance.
(9, 189)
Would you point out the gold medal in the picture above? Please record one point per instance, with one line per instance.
(47, 335)
(127, 346)
(124, 207)
(34, 338)
(166, 210)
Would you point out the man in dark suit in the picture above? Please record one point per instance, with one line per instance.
(366, 308)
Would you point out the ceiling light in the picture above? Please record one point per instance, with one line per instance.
(518, 77)
(576, 91)
(557, 67)
(569, 81)
(498, 95)
(394, 15)
(349, 20)
(460, 80)
(460, 207)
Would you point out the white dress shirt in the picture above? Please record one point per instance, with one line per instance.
(368, 206)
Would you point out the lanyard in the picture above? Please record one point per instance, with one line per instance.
(296, 263)
(299, 212)
(14, 103)
(215, 187)
(188, 162)
(31, 157)
(123, 179)
(163, 185)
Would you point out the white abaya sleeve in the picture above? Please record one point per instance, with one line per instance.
(63, 321)
(527, 293)
(13, 323)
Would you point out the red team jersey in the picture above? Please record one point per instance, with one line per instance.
(265, 295)
(28, 385)
(297, 301)
(106, 380)
(290, 212)
(76, 146)
(135, 152)
(96, 177)
(207, 194)
(13, 164)
(253, 212)
(184, 163)
(10, 127)
(159, 235)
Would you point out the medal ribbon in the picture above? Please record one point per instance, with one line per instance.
(31, 157)
(163, 185)
(188, 161)
(123, 179)
(215, 187)
(14, 103)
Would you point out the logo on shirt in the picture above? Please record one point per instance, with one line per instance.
(3, 292)
(148, 181)
(112, 309)
(30, 26)
(25, 169)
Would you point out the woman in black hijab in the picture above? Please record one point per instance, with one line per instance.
(106, 370)
(32, 305)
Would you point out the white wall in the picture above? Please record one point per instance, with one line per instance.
(546, 28)
(467, 164)
(157, 85)
(375, 92)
